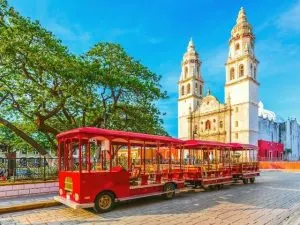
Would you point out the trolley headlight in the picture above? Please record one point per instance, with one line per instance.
(76, 196)
(61, 192)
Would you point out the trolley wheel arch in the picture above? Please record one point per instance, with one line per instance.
(104, 201)
(171, 187)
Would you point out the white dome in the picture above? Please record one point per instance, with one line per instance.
(264, 113)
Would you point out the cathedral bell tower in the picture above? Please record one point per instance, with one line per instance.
(190, 89)
(241, 85)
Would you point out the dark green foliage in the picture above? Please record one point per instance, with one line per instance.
(45, 89)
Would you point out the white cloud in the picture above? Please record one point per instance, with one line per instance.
(213, 64)
(169, 81)
(289, 20)
(271, 52)
(74, 33)
(116, 33)
(154, 40)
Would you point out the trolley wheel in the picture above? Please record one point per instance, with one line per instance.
(245, 181)
(211, 187)
(104, 202)
(170, 189)
(252, 180)
(220, 186)
(205, 187)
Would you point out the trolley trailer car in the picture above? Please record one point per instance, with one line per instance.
(99, 167)
(207, 163)
(244, 162)
(92, 173)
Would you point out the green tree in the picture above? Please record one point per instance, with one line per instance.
(126, 91)
(37, 76)
(47, 89)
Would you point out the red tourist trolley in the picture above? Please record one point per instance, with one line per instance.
(98, 167)
(207, 164)
(245, 165)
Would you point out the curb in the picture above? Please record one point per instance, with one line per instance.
(35, 205)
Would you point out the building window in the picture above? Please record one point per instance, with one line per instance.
(188, 89)
(237, 109)
(214, 120)
(196, 88)
(236, 135)
(241, 70)
(182, 90)
(207, 125)
(185, 72)
(200, 90)
(236, 123)
(221, 124)
(231, 73)
(237, 46)
(254, 73)
(251, 70)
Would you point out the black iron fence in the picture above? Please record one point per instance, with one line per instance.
(18, 169)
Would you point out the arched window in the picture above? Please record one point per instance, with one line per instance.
(231, 73)
(241, 70)
(188, 89)
(200, 90)
(182, 90)
(196, 88)
(207, 125)
(237, 46)
(185, 72)
(254, 73)
(251, 70)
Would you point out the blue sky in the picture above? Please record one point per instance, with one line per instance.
(157, 32)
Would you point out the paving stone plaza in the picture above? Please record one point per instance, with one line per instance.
(273, 199)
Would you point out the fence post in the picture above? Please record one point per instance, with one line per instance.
(44, 168)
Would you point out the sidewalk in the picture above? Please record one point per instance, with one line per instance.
(27, 202)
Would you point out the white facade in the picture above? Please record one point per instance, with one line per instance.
(242, 118)
(236, 120)
(190, 88)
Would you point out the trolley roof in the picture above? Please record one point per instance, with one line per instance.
(205, 144)
(93, 132)
(215, 144)
(238, 146)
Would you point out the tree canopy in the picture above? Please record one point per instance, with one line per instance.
(46, 89)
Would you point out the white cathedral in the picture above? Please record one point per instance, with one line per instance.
(242, 118)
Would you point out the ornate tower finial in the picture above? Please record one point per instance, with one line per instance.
(241, 16)
(191, 45)
(242, 27)
(208, 92)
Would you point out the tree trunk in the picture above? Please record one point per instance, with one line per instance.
(24, 136)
